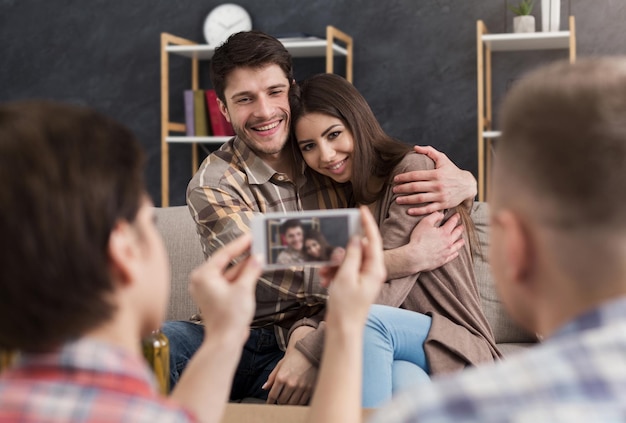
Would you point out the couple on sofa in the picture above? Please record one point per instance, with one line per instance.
(558, 253)
(338, 156)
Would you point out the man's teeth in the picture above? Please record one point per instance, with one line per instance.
(268, 127)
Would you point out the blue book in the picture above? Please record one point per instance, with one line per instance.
(189, 119)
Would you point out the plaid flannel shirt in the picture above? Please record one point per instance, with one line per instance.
(230, 187)
(578, 375)
(86, 381)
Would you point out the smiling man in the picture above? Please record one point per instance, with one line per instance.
(291, 231)
(255, 172)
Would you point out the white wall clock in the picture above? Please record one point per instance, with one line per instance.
(225, 20)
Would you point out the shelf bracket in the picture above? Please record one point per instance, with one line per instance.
(333, 33)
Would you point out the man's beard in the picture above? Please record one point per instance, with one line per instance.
(259, 147)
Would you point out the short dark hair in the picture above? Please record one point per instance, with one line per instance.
(251, 49)
(288, 224)
(69, 174)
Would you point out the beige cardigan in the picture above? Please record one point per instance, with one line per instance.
(460, 334)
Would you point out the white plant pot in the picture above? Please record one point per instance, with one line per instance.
(524, 23)
(550, 15)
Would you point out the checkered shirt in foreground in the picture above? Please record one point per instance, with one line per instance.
(578, 375)
(85, 381)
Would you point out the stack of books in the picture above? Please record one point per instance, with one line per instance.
(202, 115)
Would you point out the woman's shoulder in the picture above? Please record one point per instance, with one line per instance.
(413, 161)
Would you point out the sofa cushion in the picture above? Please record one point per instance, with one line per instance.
(505, 330)
(185, 252)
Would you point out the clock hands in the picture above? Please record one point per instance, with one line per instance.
(235, 23)
(224, 20)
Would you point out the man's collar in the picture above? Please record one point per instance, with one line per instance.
(611, 310)
(257, 170)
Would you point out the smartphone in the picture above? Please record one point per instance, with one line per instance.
(304, 238)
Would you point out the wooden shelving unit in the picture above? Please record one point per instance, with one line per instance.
(336, 43)
(487, 43)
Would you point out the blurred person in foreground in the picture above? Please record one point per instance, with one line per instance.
(84, 275)
(558, 252)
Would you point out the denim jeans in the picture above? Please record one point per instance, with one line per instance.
(393, 353)
(259, 357)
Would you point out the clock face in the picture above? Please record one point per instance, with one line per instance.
(225, 20)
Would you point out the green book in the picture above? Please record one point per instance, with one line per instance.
(200, 114)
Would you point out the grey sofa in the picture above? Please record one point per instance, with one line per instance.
(181, 240)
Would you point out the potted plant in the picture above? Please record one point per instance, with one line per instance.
(523, 21)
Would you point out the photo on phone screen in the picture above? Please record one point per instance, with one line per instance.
(296, 239)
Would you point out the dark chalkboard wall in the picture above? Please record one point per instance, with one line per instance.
(414, 59)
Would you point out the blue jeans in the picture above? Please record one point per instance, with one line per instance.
(393, 353)
(259, 357)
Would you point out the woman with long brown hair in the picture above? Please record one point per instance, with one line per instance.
(317, 248)
(442, 327)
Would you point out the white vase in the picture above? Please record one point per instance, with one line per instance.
(550, 15)
(524, 23)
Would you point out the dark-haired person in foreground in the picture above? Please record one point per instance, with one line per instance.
(84, 276)
(558, 252)
(255, 172)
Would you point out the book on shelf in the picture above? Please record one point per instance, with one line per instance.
(201, 123)
(190, 129)
(219, 125)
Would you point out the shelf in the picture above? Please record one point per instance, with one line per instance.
(492, 134)
(315, 47)
(336, 43)
(527, 41)
(486, 44)
(197, 140)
